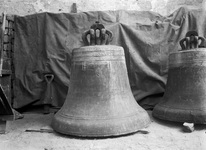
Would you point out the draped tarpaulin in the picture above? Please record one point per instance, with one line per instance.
(44, 42)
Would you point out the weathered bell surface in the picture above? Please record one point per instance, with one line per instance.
(184, 99)
(99, 102)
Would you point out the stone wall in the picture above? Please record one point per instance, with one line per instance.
(26, 7)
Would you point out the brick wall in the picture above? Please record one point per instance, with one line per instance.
(7, 46)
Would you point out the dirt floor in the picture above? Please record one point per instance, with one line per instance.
(24, 134)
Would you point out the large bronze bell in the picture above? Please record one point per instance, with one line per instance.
(184, 99)
(99, 102)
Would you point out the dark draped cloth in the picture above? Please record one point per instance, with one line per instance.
(44, 43)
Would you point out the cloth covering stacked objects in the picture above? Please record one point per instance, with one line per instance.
(44, 43)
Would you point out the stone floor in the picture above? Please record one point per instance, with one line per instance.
(24, 134)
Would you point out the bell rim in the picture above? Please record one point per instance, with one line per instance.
(179, 115)
(117, 125)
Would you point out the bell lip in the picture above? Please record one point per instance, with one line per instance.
(179, 115)
(145, 123)
(77, 134)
